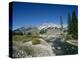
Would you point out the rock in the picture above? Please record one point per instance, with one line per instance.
(18, 53)
(27, 49)
(58, 47)
(41, 50)
(43, 42)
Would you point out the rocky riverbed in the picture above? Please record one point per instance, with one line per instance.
(62, 47)
(51, 47)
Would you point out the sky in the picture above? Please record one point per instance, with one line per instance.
(31, 14)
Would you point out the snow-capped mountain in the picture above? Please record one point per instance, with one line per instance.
(47, 25)
(44, 26)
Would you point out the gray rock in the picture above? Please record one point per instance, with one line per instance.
(28, 50)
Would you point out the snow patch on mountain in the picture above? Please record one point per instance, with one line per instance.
(47, 25)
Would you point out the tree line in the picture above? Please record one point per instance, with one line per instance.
(73, 25)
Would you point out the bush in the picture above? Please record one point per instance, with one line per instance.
(42, 31)
(34, 41)
(29, 33)
(68, 37)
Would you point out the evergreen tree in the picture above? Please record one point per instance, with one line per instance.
(69, 24)
(74, 25)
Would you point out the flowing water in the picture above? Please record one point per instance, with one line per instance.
(63, 48)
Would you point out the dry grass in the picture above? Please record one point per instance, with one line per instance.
(68, 37)
(26, 38)
(21, 38)
(35, 41)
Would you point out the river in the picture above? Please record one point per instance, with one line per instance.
(63, 48)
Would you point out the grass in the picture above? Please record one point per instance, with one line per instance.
(21, 38)
(68, 37)
(26, 38)
(35, 41)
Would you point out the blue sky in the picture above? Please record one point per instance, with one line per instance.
(29, 14)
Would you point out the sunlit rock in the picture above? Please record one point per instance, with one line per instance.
(27, 49)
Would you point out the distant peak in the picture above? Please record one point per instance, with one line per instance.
(46, 25)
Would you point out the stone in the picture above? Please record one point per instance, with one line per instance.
(27, 49)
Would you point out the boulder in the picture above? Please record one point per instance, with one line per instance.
(27, 49)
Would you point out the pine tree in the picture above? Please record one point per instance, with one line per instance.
(74, 25)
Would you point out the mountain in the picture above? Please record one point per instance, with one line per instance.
(48, 25)
(19, 30)
(25, 30)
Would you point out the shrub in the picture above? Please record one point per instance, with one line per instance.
(68, 37)
(42, 31)
(35, 41)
